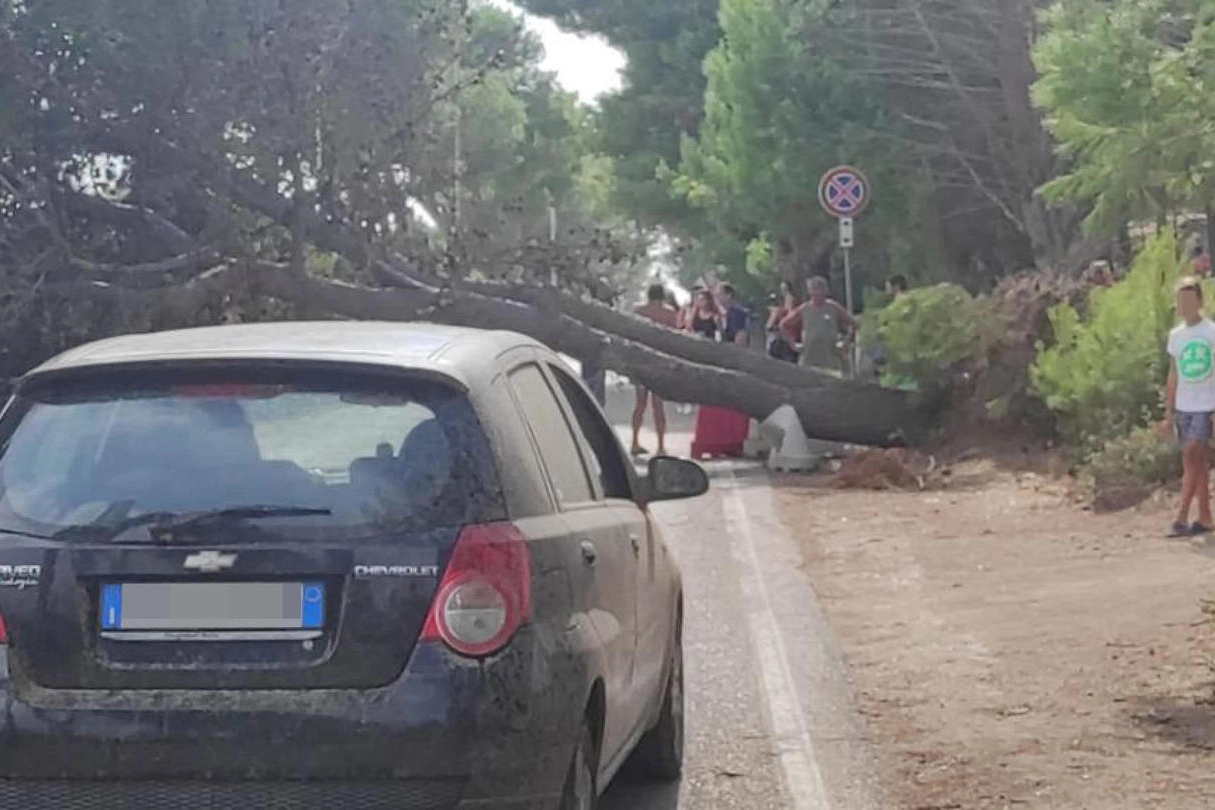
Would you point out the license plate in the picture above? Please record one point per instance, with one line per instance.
(186, 606)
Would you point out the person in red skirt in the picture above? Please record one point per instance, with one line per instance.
(722, 431)
(734, 318)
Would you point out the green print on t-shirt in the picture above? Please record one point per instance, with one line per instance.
(1195, 362)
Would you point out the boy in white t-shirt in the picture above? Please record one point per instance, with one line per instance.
(1190, 404)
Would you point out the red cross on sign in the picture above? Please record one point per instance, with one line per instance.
(843, 192)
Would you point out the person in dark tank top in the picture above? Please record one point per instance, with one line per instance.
(705, 317)
(734, 318)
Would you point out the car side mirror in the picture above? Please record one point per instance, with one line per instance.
(672, 479)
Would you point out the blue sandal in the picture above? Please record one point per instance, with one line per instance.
(1180, 529)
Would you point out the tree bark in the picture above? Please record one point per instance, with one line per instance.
(396, 270)
(149, 274)
(151, 225)
(830, 408)
(676, 366)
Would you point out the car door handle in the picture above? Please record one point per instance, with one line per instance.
(589, 555)
(635, 541)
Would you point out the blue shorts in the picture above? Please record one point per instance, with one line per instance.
(1193, 428)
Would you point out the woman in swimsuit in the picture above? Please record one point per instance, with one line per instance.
(705, 317)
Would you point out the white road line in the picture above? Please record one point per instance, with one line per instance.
(795, 747)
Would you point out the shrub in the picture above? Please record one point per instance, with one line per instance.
(1103, 374)
(761, 261)
(928, 333)
(1127, 469)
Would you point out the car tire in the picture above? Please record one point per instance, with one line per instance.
(581, 790)
(659, 754)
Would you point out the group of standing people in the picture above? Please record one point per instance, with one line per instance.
(713, 313)
(814, 332)
(810, 333)
(820, 331)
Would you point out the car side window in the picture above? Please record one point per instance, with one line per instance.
(609, 462)
(558, 447)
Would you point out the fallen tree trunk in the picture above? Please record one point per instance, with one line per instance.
(676, 366)
(628, 327)
(830, 408)
(584, 326)
(398, 271)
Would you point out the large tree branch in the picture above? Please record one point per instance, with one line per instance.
(711, 373)
(119, 215)
(398, 270)
(616, 324)
(175, 267)
(632, 328)
(831, 409)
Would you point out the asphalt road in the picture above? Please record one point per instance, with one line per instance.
(771, 721)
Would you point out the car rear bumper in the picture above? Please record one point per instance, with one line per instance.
(154, 795)
(448, 734)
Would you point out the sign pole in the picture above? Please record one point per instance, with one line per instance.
(853, 349)
(848, 278)
(552, 237)
(847, 240)
(844, 193)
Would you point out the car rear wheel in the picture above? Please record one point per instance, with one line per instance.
(581, 792)
(660, 752)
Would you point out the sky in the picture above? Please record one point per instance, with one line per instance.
(590, 67)
(587, 66)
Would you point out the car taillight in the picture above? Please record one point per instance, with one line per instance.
(3, 631)
(486, 592)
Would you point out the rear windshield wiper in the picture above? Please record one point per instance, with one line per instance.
(20, 533)
(162, 525)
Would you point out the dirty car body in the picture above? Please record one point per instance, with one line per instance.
(303, 565)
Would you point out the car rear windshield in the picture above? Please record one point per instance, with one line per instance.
(362, 454)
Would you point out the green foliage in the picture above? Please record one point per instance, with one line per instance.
(1128, 468)
(929, 332)
(1102, 374)
(761, 263)
(661, 101)
(731, 109)
(761, 149)
(1125, 86)
(781, 107)
(527, 146)
(226, 126)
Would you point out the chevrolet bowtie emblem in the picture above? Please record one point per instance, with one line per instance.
(208, 562)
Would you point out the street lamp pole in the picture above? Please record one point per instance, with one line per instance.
(552, 239)
(455, 175)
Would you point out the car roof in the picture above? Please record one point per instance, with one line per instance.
(462, 354)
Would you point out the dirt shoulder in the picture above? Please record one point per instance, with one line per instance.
(1011, 650)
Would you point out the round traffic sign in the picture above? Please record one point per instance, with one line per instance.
(844, 192)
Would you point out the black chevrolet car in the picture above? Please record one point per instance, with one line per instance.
(329, 565)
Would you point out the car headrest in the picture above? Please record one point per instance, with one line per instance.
(426, 440)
